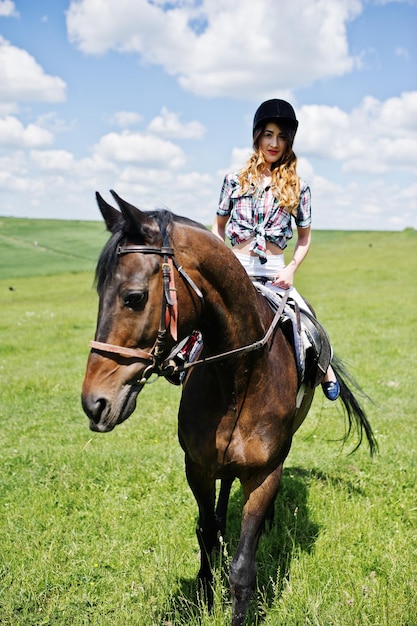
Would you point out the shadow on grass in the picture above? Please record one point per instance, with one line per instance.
(291, 532)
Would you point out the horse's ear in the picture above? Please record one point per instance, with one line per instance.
(136, 220)
(111, 215)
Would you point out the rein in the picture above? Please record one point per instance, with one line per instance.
(169, 316)
(257, 345)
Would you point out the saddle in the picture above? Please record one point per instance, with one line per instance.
(310, 342)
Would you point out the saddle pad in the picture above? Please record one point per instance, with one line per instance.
(310, 341)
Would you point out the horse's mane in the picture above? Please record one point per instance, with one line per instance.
(186, 220)
(164, 220)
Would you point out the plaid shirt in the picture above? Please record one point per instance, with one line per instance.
(258, 214)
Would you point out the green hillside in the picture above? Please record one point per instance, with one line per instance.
(32, 247)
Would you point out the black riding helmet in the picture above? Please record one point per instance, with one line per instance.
(275, 110)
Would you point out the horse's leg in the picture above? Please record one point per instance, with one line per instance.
(204, 490)
(269, 516)
(222, 504)
(258, 499)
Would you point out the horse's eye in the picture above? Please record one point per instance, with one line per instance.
(135, 300)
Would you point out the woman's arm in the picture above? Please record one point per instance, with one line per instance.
(285, 278)
(219, 226)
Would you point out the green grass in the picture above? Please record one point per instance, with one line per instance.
(100, 529)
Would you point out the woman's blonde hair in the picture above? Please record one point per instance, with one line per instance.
(285, 183)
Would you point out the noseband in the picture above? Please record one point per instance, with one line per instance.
(169, 315)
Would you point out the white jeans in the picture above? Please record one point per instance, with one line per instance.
(270, 269)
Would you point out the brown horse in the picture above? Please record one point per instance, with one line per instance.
(159, 277)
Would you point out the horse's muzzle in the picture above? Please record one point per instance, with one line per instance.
(105, 414)
(97, 410)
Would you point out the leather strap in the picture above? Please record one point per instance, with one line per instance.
(128, 353)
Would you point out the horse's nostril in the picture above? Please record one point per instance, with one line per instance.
(94, 407)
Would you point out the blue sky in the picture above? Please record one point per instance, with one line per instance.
(155, 99)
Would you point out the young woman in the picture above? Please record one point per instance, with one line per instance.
(257, 205)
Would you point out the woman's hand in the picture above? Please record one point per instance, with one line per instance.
(285, 277)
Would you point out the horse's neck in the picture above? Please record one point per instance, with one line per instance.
(231, 316)
(233, 309)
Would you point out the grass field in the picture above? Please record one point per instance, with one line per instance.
(100, 529)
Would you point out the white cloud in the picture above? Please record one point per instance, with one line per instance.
(193, 181)
(375, 137)
(373, 205)
(146, 176)
(219, 48)
(402, 52)
(238, 159)
(10, 182)
(412, 2)
(175, 191)
(63, 161)
(396, 116)
(13, 134)
(125, 119)
(305, 169)
(55, 180)
(55, 124)
(149, 150)
(53, 160)
(22, 79)
(169, 125)
(8, 9)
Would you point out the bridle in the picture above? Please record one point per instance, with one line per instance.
(169, 313)
(168, 320)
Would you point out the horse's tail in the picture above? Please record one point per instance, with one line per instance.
(356, 416)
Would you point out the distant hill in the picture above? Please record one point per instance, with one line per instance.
(37, 247)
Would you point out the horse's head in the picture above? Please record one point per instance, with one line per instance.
(137, 318)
